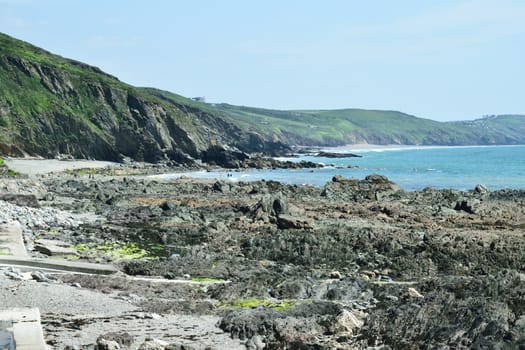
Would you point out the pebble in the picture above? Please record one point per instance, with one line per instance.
(392, 298)
(336, 275)
(13, 276)
(413, 293)
(32, 219)
(40, 277)
(152, 316)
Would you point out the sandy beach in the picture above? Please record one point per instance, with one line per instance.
(35, 166)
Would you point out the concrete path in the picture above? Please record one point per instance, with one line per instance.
(57, 265)
(13, 252)
(20, 329)
(11, 242)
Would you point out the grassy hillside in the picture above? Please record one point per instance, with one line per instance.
(50, 105)
(500, 129)
(346, 126)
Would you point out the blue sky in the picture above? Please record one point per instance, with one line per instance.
(442, 60)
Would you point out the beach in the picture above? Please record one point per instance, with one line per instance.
(227, 264)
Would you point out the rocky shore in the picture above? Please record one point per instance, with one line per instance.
(357, 264)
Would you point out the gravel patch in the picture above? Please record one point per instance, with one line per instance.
(58, 298)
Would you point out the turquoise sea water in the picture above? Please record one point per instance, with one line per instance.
(412, 168)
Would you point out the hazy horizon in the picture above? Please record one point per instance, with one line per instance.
(439, 60)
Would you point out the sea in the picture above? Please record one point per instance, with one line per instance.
(412, 168)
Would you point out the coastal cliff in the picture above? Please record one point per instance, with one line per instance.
(52, 106)
(55, 107)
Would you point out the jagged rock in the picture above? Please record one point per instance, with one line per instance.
(255, 343)
(372, 187)
(293, 222)
(254, 142)
(186, 346)
(103, 344)
(261, 163)
(348, 322)
(336, 275)
(3, 168)
(468, 206)
(221, 186)
(15, 274)
(270, 207)
(413, 293)
(22, 200)
(54, 248)
(299, 325)
(338, 178)
(217, 155)
(337, 155)
(40, 277)
(122, 340)
(154, 344)
(482, 189)
(467, 267)
(167, 205)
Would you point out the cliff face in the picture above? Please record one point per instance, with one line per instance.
(50, 106)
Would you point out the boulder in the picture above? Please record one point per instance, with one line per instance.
(413, 293)
(270, 206)
(468, 206)
(54, 248)
(300, 326)
(217, 155)
(22, 200)
(481, 189)
(153, 344)
(337, 155)
(336, 275)
(40, 276)
(103, 344)
(221, 186)
(121, 339)
(279, 205)
(338, 178)
(372, 187)
(255, 343)
(294, 222)
(348, 322)
(168, 205)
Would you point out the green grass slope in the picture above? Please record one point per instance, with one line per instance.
(51, 105)
(348, 126)
(497, 129)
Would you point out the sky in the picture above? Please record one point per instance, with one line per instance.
(436, 59)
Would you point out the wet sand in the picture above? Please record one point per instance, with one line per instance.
(44, 166)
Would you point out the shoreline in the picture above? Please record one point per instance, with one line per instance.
(36, 166)
(225, 255)
(409, 169)
(265, 254)
(372, 147)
